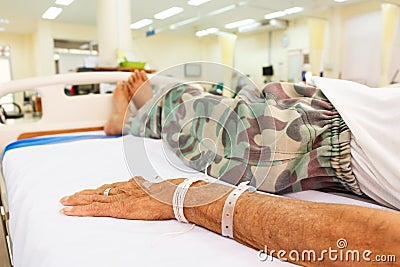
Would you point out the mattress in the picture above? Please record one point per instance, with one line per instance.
(37, 176)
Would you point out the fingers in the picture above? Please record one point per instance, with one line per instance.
(77, 199)
(145, 208)
(96, 209)
(117, 192)
(93, 195)
(100, 190)
(128, 200)
(124, 209)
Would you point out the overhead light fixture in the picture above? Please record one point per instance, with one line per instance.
(168, 12)
(207, 32)
(293, 10)
(249, 27)
(183, 22)
(64, 2)
(140, 24)
(197, 2)
(340, 1)
(274, 15)
(285, 12)
(2, 29)
(221, 10)
(52, 13)
(239, 23)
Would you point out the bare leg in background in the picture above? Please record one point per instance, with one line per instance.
(137, 89)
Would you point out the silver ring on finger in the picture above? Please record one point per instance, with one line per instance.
(107, 191)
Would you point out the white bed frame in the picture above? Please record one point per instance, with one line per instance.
(60, 112)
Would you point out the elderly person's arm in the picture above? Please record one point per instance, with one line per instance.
(260, 220)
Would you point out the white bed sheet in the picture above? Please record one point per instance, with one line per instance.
(37, 177)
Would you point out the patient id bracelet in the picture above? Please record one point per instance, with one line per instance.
(229, 208)
(179, 198)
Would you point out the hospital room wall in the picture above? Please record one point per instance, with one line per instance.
(325, 52)
(165, 50)
(330, 53)
(22, 58)
(253, 50)
(28, 50)
(248, 50)
(24, 47)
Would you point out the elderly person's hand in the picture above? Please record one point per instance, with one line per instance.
(135, 199)
(139, 199)
(260, 220)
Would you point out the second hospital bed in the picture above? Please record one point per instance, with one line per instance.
(38, 171)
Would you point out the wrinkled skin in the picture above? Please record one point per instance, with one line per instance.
(135, 199)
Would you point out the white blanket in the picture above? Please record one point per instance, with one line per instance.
(37, 177)
(372, 115)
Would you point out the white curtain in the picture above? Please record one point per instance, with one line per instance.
(395, 59)
(361, 57)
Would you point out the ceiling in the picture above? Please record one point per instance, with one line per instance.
(24, 14)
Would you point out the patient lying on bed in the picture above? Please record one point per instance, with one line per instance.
(259, 220)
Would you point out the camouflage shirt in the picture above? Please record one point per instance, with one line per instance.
(284, 138)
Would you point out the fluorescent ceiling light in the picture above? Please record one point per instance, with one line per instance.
(278, 23)
(52, 13)
(340, 1)
(293, 10)
(226, 34)
(141, 23)
(207, 32)
(249, 27)
(274, 15)
(285, 12)
(168, 12)
(64, 2)
(221, 10)
(239, 23)
(197, 2)
(183, 22)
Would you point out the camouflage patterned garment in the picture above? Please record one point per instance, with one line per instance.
(285, 138)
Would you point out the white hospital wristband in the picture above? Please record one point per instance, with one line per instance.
(229, 208)
(179, 198)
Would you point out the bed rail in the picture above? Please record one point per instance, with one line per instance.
(62, 112)
(59, 110)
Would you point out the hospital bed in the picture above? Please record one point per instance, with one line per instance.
(67, 151)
